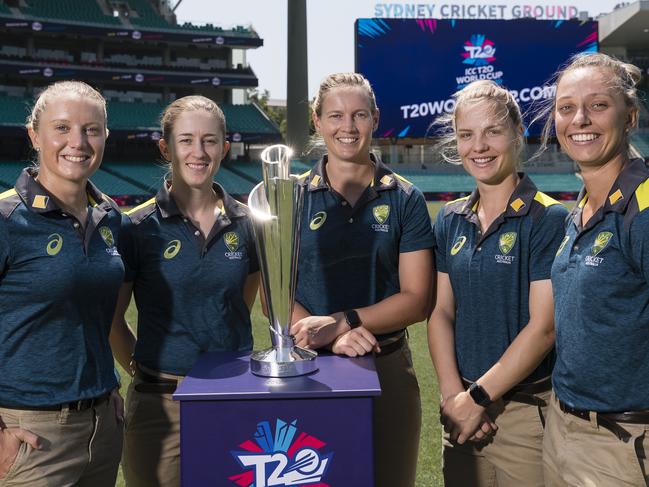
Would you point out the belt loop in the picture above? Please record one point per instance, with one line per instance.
(64, 414)
(592, 416)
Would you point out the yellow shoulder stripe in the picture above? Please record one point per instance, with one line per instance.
(6, 194)
(402, 178)
(139, 207)
(464, 198)
(304, 174)
(545, 200)
(641, 194)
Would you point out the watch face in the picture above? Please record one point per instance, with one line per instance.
(479, 395)
(352, 318)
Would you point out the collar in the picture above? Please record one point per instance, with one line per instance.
(632, 175)
(384, 178)
(39, 200)
(168, 207)
(519, 203)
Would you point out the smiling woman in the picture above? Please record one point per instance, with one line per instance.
(491, 329)
(61, 271)
(365, 266)
(192, 266)
(599, 414)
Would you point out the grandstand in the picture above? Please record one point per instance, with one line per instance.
(141, 59)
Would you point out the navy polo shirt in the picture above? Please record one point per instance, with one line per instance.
(188, 289)
(600, 281)
(349, 257)
(490, 273)
(58, 289)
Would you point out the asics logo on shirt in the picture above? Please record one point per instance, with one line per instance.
(54, 244)
(458, 245)
(172, 249)
(318, 220)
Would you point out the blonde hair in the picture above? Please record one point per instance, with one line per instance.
(347, 80)
(61, 89)
(189, 104)
(502, 105)
(624, 78)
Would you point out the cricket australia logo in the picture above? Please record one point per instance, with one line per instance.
(381, 214)
(107, 236)
(231, 240)
(506, 243)
(601, 242)
(459, 243)
(281, 458)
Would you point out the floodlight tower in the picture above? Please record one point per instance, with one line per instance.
(297, 85)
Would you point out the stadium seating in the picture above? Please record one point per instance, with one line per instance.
(14, 110)
(77, 10)
(640, 142)
(146, 15)
(121, 115)
(88, 11)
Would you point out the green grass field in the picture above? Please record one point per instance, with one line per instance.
(429, 464)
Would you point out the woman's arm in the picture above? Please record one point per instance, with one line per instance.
(529, 348)
(522, 356)
(396, 312)
(250, 288)
(122, 338)
(441, 339)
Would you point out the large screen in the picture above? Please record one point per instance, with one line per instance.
(415, 65)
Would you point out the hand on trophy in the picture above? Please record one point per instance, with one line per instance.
(318, 331)
(355, 343)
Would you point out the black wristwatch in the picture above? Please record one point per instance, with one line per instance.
(352, 318)
(479, 395)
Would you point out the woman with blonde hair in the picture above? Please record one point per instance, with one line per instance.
(60, 409)
(599, 414)
(193, 270)
(491, 331)
(365, 266)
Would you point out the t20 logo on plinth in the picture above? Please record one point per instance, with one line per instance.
(281, 458)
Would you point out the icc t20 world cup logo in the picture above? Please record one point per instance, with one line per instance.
(479, 51)
(281, 458)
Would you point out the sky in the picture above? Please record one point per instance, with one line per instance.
(330, 25)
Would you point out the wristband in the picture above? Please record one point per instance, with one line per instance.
(352, 318)
(479, 395)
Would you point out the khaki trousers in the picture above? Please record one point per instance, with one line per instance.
(397, 420)
(78, 448)
(152, 438)
(512, 457)
(578, 452)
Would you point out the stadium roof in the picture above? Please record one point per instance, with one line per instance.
(627, 26)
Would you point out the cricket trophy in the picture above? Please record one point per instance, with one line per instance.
(276, 207)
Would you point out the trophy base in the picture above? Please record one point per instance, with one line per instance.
(298, 361)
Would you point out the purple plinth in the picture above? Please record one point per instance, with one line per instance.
(240, 429)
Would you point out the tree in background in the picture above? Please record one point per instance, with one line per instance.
(276, 113)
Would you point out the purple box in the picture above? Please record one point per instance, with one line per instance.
(309, 431)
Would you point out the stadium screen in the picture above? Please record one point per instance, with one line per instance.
(415, 65)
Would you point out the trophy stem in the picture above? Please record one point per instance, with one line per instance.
(276, 206)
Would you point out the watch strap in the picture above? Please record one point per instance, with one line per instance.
(479, 395)
(352, 318)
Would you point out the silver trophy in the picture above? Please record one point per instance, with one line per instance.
(276, 207)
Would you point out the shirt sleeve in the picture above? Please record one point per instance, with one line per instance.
(639, 243)
(439, 231)
(5, 247)
(545, 240)
(417, 231)
(128, 248)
